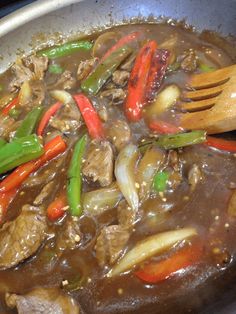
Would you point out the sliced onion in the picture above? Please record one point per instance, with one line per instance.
(104, 42)
(147, 168)
(62, 96)
(25, 93)
(232, 205)
(149, 247)
(164, 101)
(125, 174)
(98, 201)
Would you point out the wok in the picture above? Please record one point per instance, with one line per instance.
(26, 29)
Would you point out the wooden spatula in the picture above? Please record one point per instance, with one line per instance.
(210, 101)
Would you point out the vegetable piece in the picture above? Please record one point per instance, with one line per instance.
(2, 142)
(56, 209)
(222, 144)
(51, 150)
(55, 69)
(101, 43)
(163, 127)
(5, 200)
(47, 116)
(19, 151)
(10, 106)
(125, 174)
(1, 87)
(94, 81)
(158, 271)
(62, 96)
(138, 82)
(25, 94)
(206, 68)
(65, 49)
(232, 205)
(91, 118)
(103, 199)
(160, 181)
(157, 72)
(121, 43)
(177, 140)
(164, 101)
(29, 124)
(75, 178)
(149, 247)
(147, 168)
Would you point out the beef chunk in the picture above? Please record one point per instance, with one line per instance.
(119, 133)
(42, 301)
(21, 238)
(110, 244)
(85, 67)
(189, 62)
(7, 125)
(115, 95)
(68, 120)
(65, 81)
(31, 68)
(99, 163)
(126, 216)
(69, 237)
(45, 192)
(120, 78)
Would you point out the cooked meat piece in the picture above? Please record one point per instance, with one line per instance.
(189, 63)
(46, 174)
(38, 65)
(42, 301)
(65, 81)
(175, 179)
(85, 67)
(194, 176)
(128, 65)
(99, 163)
(68, 120)
(45, 192)
(126, 216)
(38, 93)
(119, 133)
(69, 236)
(120, 78)
(173, 159)
(7, 125)
(31, 68)
(21, 238)
(110, 244)
(116, 95)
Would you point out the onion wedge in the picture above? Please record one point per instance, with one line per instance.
(149, 247)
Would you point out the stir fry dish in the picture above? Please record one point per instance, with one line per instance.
(107, 205)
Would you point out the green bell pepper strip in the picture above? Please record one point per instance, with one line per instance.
(2, 142)
(75, 178)
(65, 49)
(176, 140)
(206, 68)
(30, 122)
(160, 181)
(94, 82)
(55, 69)
(19, 151)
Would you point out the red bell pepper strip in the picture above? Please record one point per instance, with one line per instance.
(157, 71)
(47, 116)
(121, 42)
(138, 81)
(163, 127)
(10, 106)
(222, 144)
(56, 209)
(91, 118)
(5, 200)
(52, 149)
(158, 271)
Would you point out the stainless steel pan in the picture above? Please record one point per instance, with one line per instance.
(25, 29)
